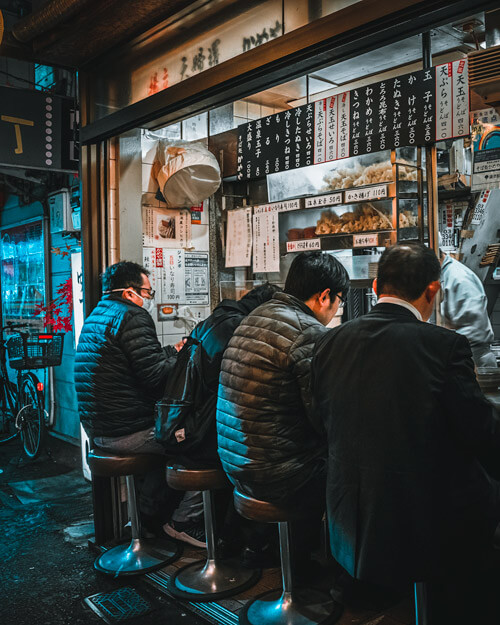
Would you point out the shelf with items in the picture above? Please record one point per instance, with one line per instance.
(342, 218)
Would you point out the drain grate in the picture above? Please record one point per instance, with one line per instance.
(118, 605)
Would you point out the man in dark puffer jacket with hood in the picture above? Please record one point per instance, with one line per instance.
(271, 445)
(121, 370)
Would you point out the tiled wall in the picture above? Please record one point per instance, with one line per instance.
(170, 332)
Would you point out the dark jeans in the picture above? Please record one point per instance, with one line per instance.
(157, 502)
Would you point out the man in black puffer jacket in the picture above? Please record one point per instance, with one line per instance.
(271, 445)
(121, 370)
(120, 367)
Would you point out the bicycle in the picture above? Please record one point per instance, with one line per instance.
(22, 404)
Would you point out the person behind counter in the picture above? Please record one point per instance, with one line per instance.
(120, 370)
(465, 308)
(411, 440)
(271, 444)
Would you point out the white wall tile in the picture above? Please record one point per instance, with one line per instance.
(200, 238)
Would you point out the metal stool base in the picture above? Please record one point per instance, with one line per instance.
(141, 555)
(308, 607)
(209, 580)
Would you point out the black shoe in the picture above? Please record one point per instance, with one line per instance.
(228, 548)
(265, 558)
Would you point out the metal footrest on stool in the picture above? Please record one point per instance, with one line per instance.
(305, 607)
(140, 555)
(208, 580)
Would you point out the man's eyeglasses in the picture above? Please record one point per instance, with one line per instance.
(150, 292)
(342, 301)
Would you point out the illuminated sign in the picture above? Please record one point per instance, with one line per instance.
(36, 130)
(2, 27)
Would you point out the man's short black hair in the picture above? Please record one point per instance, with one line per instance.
(123, 275)
(313, 272)
(406, 270)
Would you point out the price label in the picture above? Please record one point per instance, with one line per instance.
(362, 195)
(303, 246)
(280, 207)
(330, 199)
(365, 240)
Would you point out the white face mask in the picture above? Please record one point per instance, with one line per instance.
(147, 304)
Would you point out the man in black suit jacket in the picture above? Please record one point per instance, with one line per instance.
(412, 441)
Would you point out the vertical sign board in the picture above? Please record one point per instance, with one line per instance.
(36, 130)
(77, 282)
(410, 110)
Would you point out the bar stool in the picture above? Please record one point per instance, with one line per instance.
(287, 605)
(141, 555)
(422, 615)
(211, 579)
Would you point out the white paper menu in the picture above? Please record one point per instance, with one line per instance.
(239, 237)
(266, 251)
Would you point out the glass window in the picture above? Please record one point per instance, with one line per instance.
(23, 271)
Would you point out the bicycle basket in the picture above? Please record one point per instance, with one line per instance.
(35, 352)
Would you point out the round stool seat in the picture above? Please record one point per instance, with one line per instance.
(210, 579)
(288, 605)
(139, 555)
(110, 464)
(266, 512)
(196, 479)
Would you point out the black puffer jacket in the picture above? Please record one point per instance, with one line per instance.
(120, 368)
(268, 439)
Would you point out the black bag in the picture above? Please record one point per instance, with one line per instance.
(185, 417)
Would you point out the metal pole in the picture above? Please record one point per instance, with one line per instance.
(421, 604)
(208, 509)
(286, 566)
(132, 507)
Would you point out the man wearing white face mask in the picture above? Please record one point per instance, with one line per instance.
(121, 370)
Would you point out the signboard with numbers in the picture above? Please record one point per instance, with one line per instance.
(365, 240)
(303, 246)
(410, 110)
(329, 199)
(363, 195)
(486, 152)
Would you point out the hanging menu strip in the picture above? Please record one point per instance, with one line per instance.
(414, 109)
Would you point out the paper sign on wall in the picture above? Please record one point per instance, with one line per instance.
(266, 255)
(239, 237)
(166, 228)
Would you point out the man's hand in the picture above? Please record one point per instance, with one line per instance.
(178, 346)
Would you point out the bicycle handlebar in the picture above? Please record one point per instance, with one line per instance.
(13, 326)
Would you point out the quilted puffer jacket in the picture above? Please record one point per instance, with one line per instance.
(120, 368)
(269, 441)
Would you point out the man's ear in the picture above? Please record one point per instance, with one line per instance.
(374, 286)
(432, 290)
(323, 295)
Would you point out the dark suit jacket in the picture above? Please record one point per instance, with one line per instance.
(409, 434)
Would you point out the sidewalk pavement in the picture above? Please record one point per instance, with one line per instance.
(46, 567)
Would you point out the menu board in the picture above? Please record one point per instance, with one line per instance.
(410, 110)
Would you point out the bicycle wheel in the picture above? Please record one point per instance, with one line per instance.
(8, 401)
(30, 418)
